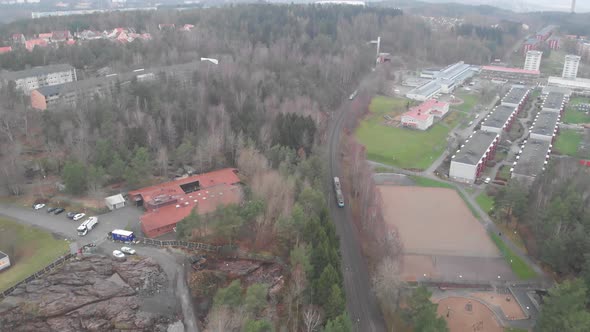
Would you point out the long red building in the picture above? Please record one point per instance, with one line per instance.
(168, 203)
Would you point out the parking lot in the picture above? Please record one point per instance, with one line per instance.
(127, 217)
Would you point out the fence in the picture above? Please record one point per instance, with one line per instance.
(175, 243)
(48, 268)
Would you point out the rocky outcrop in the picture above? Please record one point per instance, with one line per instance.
(92, 294)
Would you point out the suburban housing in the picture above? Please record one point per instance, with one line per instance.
(545, 126)
(37, 77)
(469, 162)
(422, 116)
(168, 203)
(531, 161)
(514, 75)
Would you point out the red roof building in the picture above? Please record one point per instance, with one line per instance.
(6, 49)
(18, 38)
(422, 116)
(168, 203)
(31, 44)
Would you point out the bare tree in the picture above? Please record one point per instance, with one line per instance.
(251, 162)
(311, 319)
(387, 283)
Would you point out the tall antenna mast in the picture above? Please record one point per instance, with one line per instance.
(573, 6)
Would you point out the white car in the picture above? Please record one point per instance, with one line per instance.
(38, 206)
(128, 250)
(118, 254)
(487, 180)
(79, 216)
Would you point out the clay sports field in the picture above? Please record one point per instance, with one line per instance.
(440, 236)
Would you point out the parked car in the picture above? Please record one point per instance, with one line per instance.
(487, 180)
(38, 206)
(71, 215)
(51, 209)
(58, 211)
(79, 216)
(128, 250)
(118, 254)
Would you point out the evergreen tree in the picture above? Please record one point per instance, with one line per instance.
(74, 177)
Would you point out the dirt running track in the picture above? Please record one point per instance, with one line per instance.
(440, 235)
(459, 319)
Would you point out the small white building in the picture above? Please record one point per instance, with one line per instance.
(4, 261)
(115, 202)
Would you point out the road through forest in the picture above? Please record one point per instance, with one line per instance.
(361, 301)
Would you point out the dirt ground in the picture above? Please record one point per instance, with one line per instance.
(440, 236)
(506, 302)
(459, 319)
(435, 221)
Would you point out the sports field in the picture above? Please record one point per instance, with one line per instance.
(440, 236)
(402, 147)
(30, 249)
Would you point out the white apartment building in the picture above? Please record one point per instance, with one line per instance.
(570, 67)
(533, 60)
(38, 77)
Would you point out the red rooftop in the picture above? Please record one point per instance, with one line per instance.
(168, 203)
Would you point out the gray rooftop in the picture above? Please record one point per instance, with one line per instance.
(498, 117)
(475, 147)
(34, 72)
(546, 29)
(2, 255)
(515, 95)
(427, 89)
(554, 100)
(453, 71)
(82, 85)
(545, 123)
(532, 159)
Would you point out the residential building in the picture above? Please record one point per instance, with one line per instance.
(5, 49)
(168, 203)
(469, 162)
(514, 75)
(37, 77)
(533, 60)
(422, 116)
(570, 67)
(500, 119)
(554, 43)
(554, 102)
(49, 97)
(60, 36)
(18, 38)
(545, 126)
(4, 261)
(531, 161)
(584, 49)
(45, 36)
(529, 45)
(545, 33)
(579, 85)
(31, 44)
(516, 97)
(115, 202)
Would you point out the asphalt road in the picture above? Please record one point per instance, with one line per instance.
(360, 299)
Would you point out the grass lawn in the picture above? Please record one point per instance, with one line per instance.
(485, 202)
(510, 329)
(520, 268)
(572, 115)
(469, 101)
(33, 250)
(568, 142)
(504, 172)
(401, 147)
(426, 182)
